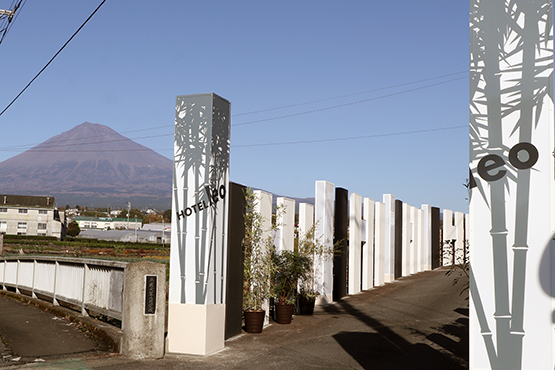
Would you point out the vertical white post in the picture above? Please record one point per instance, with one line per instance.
(407, 233)
(196, 303)
(448, 236)
(379, 249)
(264, 208)
(286, 225)
(459, 236)
(306, 218)
(324, 213)
(427, 237)
(368, 248)
(389, 253)
(355, 243)
(420, 242)
(413, 240)
(306, 222)
(466, 236)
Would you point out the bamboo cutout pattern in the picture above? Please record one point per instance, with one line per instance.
(193, 136)
(496, 47)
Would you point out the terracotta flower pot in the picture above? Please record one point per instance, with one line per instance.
(284, 313)
(254, 321)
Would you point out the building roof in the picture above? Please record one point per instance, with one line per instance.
(106, 219)
(27, 201)
(122, 235)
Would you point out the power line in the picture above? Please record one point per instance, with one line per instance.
(54, 57)
(79, 141)
(352, 137)
(347, 104)
(56, 145)
(352, 94)
(286, 142)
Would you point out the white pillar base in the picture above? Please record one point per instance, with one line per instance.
(195, 329)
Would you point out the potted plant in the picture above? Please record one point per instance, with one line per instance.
(288, 268)
(257, 266)
(310, 247)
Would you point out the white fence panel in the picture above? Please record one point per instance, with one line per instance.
(97, 286)
(45, 274)
(10, 276)
(25, 274)
(69, 282)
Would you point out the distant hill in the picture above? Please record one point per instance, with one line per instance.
(90, 164)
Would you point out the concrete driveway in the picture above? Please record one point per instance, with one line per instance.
(417, 322)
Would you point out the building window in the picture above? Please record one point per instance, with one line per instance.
(22, 225)
(21, 233)
(22, 210)
(3, 225)
(43, 212)
(41, 234)
(3, 210)
(41, 226)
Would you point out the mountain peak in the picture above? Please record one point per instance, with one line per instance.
(90, 159)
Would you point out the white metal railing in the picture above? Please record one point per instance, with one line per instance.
(95, 285)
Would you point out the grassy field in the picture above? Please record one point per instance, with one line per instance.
(84, 248)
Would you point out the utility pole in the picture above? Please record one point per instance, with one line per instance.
(163, 229)
(6, 17)
(128, 212)
(9, 13)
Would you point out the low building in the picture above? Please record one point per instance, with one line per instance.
(138, 236)
(30, 215)
(108, 223)
(157, 226)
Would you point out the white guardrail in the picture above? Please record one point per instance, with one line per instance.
(95, 285)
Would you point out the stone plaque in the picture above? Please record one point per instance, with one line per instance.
(150, 294)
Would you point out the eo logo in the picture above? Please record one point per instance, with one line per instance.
(490, 168)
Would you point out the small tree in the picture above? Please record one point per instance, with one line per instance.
(257, 251)
(310, 246)
(289, 268)
(167, 215)
(135, 213)
(73, 229)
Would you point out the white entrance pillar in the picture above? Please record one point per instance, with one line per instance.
(511, 199)
(368, 247)
(427, 237)
(389, 238)
(407, 234)
(196, 312)
(355, 243)
(379, 248)
(263, 207)
(306, 218)
(448, 236)
(286, 224)
(324, 213)
(459, 236)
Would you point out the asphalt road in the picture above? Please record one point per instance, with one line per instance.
(418, 322)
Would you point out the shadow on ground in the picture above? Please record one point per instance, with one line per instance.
(387, 350)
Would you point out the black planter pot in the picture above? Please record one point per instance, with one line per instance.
(306, 305)
(254, 321)
(284, 313)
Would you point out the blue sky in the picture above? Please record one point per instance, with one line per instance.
(370, 70)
